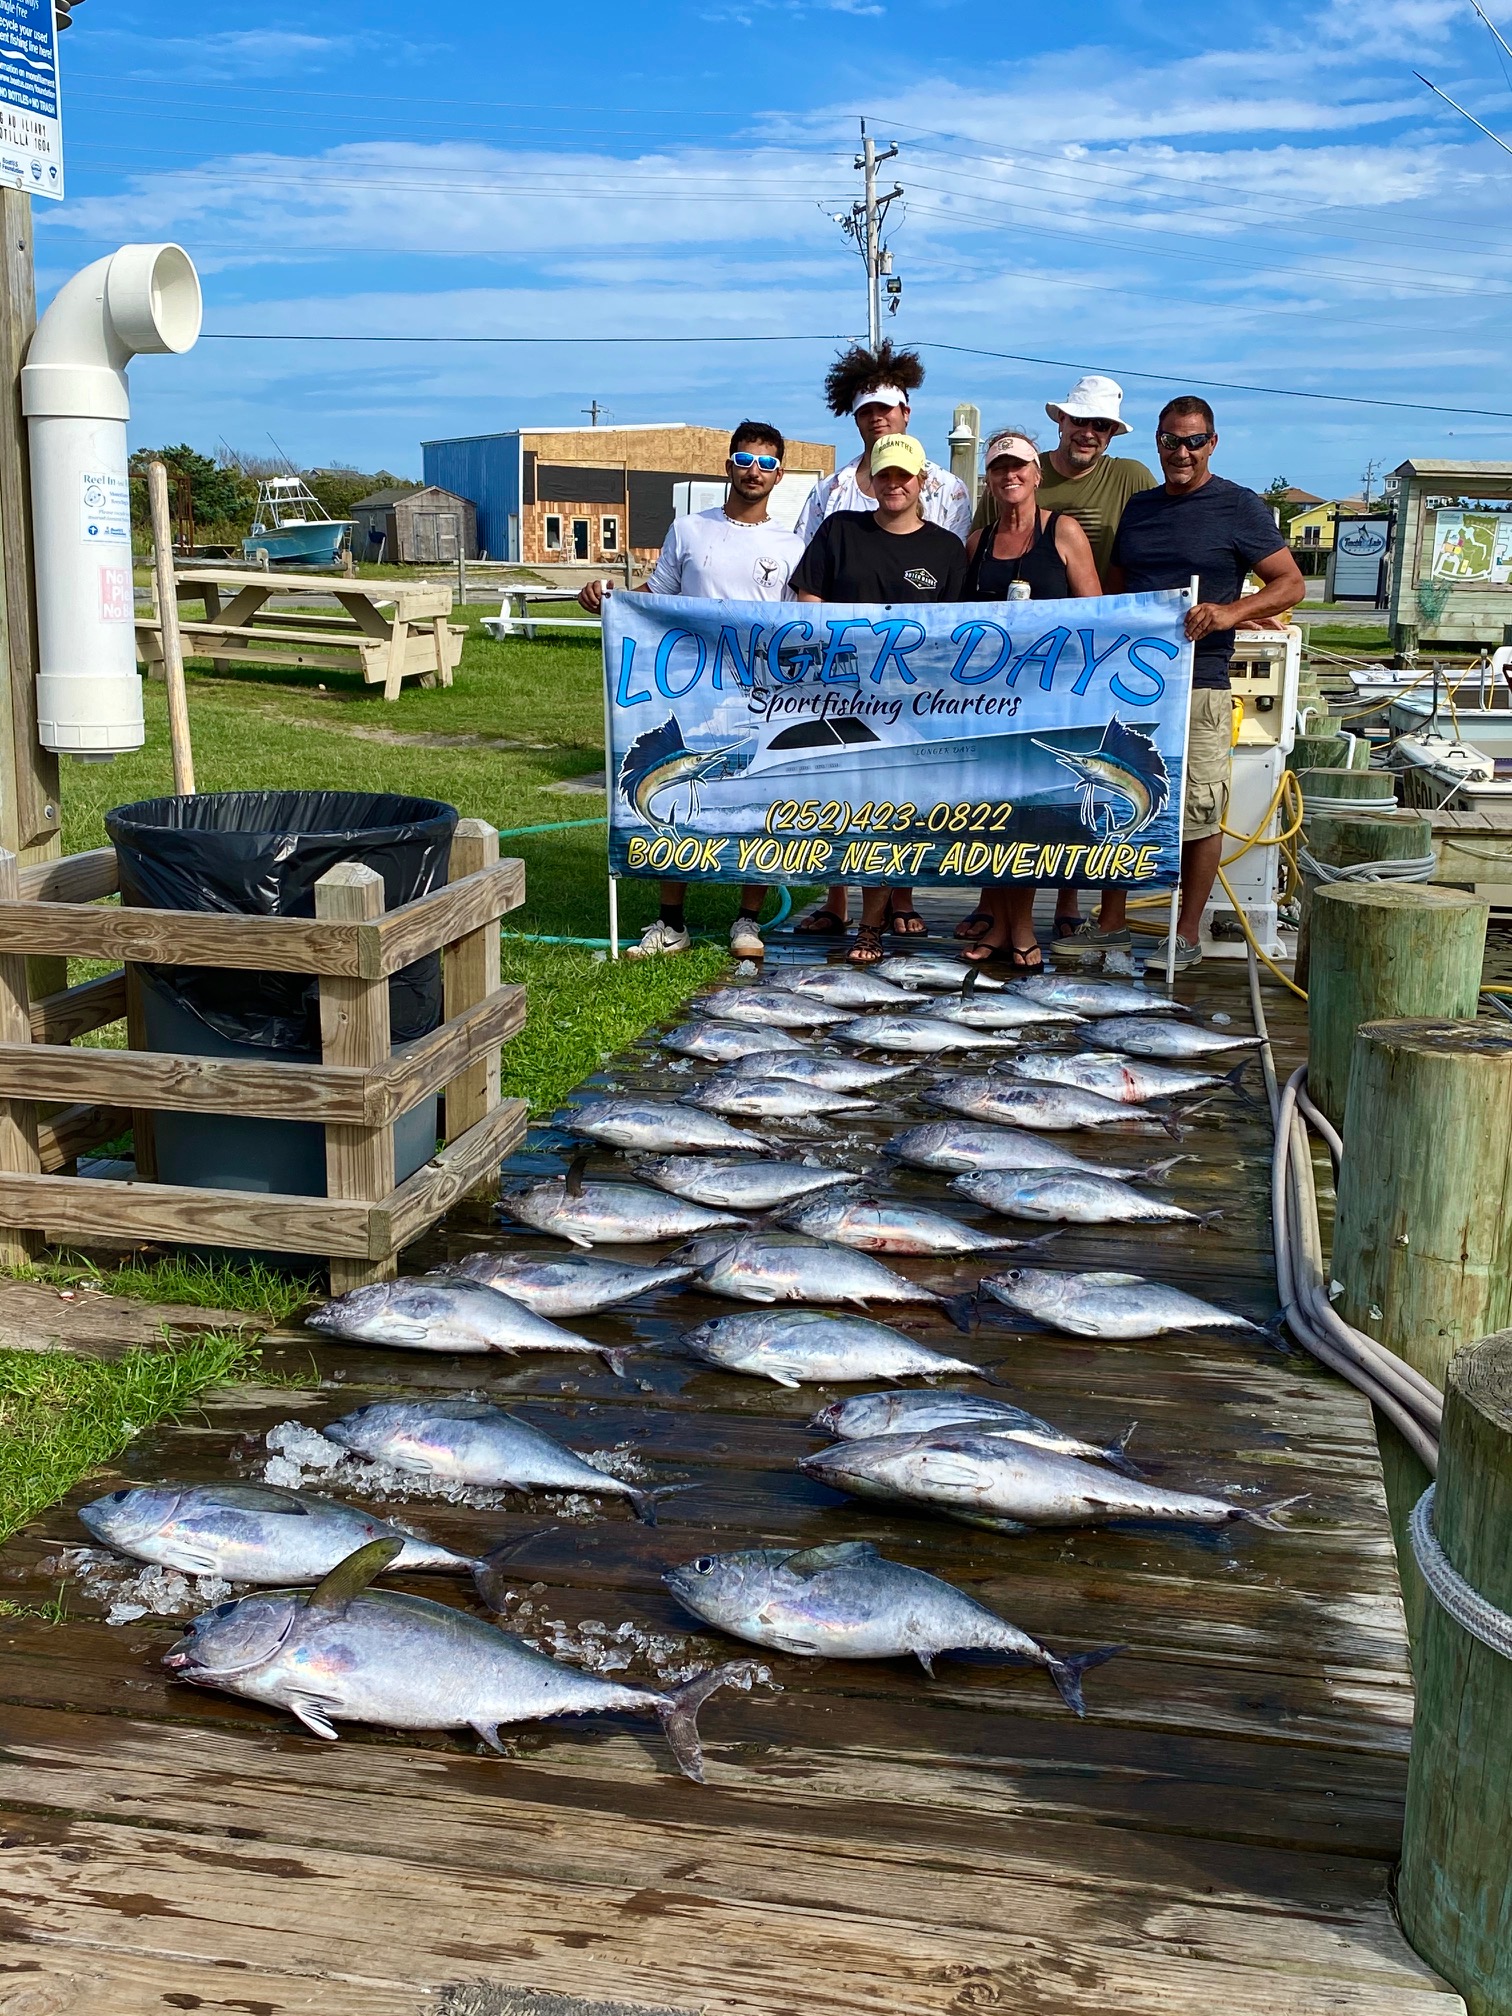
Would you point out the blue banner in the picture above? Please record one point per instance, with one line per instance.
(1033, 742)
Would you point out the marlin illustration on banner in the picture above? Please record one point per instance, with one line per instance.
(660, 760)
(1125, 765)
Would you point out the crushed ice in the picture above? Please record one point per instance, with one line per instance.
(613, 1648)
(128, 1591)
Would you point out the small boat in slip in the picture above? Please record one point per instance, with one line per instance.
(1451, 751)
(292, 527)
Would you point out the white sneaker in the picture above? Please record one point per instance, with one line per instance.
(658, 940)
(746, 941)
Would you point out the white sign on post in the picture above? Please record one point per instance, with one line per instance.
(31, 115)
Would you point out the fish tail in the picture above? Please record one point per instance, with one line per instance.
(962, 1311)
(1266, 1516)
(1208, 1218)
(1157, 1172)
(679, 1712)
(1027, 1245)
(488, 1571)
(645, 1502)
(1116, 1455)
(1067, 1673)
(1234, 1080)
(614, 1356)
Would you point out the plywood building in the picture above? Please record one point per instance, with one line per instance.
(587, 494)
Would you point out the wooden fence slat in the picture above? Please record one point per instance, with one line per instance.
(18, 1118)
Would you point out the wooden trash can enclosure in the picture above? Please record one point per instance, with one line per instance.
(357, 1090)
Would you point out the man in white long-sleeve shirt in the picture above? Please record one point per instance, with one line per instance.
(874, 387)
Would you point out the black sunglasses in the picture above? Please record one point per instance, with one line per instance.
(744, 459)
(1173, 441)
(1097, 426)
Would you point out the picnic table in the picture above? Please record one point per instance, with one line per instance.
(389, 631)
(508, 623)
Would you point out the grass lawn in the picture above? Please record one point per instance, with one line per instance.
(521, 720)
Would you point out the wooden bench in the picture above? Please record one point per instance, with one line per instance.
(389, 631)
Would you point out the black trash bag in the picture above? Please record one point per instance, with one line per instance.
(260, 854)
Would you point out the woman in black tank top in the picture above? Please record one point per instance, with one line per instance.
(1048, 551)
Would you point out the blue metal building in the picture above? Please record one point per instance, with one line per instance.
(486, 468)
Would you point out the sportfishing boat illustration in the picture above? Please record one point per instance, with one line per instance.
(660, 762)
(1055, 778)
(1125, 767)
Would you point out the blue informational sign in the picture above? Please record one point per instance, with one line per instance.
(1032, 742)
(31, 113)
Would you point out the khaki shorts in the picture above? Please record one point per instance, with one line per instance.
(1209, 749)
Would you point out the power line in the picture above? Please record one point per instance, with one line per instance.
(924, 343)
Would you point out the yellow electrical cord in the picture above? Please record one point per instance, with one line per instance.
(1262, 956)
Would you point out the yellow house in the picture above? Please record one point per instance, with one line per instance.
(1312, 529)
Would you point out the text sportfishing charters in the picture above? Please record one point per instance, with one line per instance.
(759, 656)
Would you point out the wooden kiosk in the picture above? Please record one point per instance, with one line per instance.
(1451, 555)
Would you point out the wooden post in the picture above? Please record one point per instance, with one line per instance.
(18, 1117)
(1423, 1236)
(1345, 838)
(173, 643)
(1453, 1890)
(354, 1029)
(1319, 784)
(1379, 952)
(1317, 751)
(471, 973)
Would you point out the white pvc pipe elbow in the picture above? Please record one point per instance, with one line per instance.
(143, 298)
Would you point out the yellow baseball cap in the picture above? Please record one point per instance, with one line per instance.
(899, 451)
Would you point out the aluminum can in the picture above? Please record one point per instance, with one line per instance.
(1018, 591)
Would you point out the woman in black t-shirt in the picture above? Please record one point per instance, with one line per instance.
(886, 555)
(1049, 552)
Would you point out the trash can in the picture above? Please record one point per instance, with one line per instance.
(260, 854)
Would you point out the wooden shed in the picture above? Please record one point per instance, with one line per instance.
(371, 530)
(431, 527)
(1451, 555)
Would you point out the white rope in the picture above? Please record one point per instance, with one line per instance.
(1454, 1595)
(1416, 868)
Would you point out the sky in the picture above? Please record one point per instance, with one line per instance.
(1263, 197)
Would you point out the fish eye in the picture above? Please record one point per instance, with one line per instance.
(1015, 1273)
(704, 1565)
(220, 1610)
(119, 1497)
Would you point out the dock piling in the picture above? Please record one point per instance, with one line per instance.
(1453, 1889)
(1349, 837)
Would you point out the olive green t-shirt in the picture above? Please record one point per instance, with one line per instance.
(1095, 500)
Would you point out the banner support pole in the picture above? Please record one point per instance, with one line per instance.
(1194, 590)
(613, 918)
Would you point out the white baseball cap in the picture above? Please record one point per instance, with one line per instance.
(1092, 398)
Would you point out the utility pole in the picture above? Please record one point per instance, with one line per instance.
(593, 410)
(1368, 478)
(863, 223)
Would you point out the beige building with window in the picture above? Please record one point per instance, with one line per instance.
(586, 494)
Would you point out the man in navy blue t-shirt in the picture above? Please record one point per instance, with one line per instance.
(1199, 523)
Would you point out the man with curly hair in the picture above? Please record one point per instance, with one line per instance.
(874, 387)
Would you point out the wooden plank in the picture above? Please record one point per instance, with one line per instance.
(73, 878)
(59, 1978)
(364, 1916)
(462, 1166)
(143, 1134)
(81, 1210)
(470, 976)
(58, 1018)
(184, 938)
(174, 1082)
(19, 1151)
(62, 1137)
(431, 1063)
(354, 1033)
(448, 914)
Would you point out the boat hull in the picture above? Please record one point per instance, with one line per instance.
(298, 545)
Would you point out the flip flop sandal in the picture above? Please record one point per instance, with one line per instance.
(976, 926)
(982, 954)
(907, 924)
(1067, 927)
(823, 924)
(867, 950)
(1025, 958)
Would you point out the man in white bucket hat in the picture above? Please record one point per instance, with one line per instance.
(1080, 478)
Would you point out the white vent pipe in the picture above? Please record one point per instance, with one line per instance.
(74, 395)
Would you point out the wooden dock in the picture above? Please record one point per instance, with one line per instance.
(1217, 1837)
